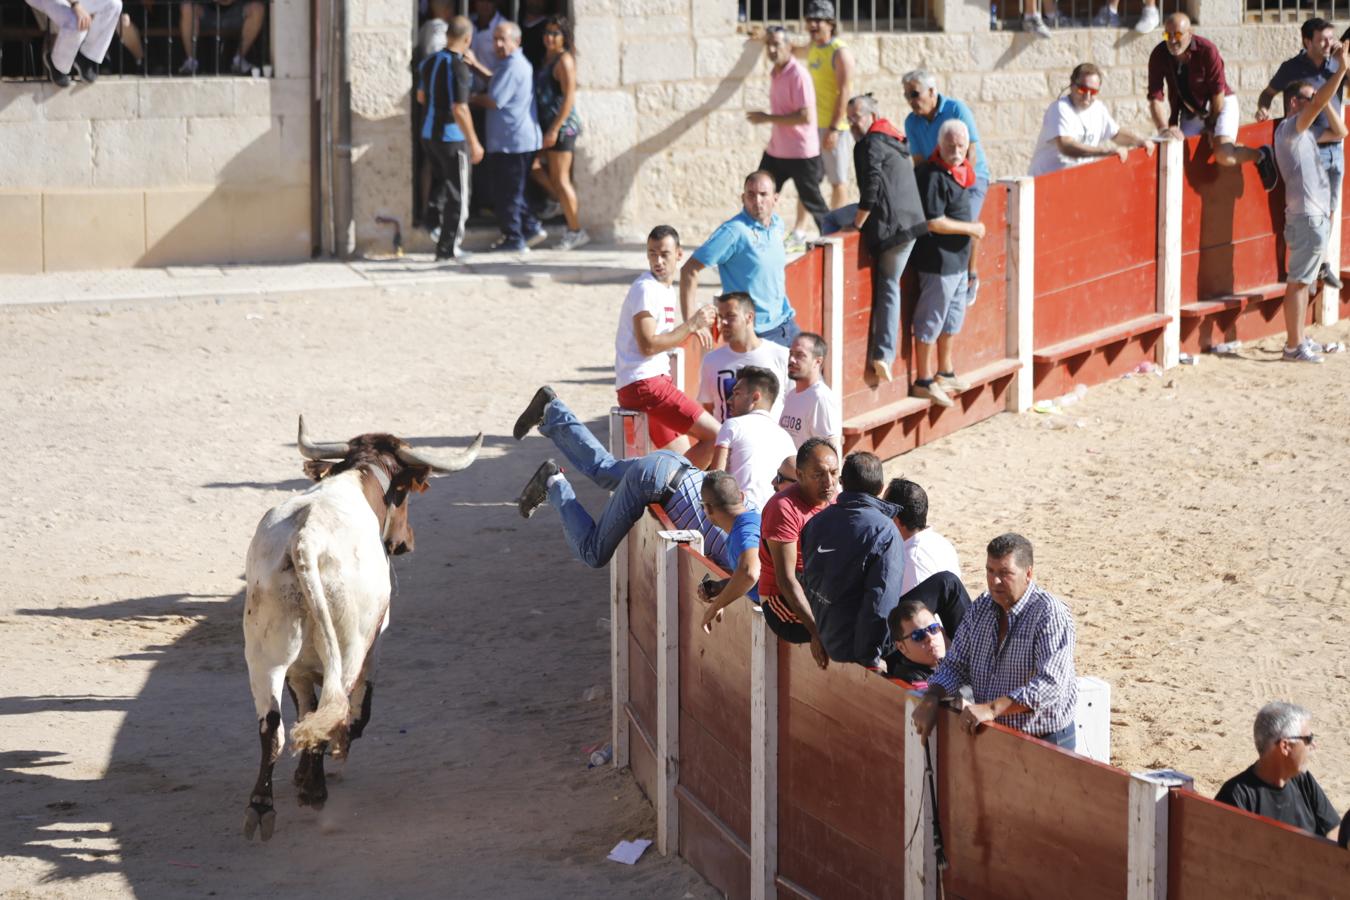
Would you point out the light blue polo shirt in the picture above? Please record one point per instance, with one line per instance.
(922, 134)
(750, 259)
(513, 127)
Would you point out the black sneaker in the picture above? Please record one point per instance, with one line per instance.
(88, 68)
(534, 413)
(536, 489)
(1270, 175)
(1329, 278)
(60, 79)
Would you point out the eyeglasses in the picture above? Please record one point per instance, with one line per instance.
(780, 478)
(919, 635)
(1305, 738)
(913, 95)
(1084, 89)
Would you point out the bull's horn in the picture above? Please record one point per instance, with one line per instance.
(319, 451)
(451, 461)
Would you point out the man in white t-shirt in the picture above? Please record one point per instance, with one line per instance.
(811, 408)
(647, 332)
(750, 444)
(717, 374)
(1078, 129)
(926, 551)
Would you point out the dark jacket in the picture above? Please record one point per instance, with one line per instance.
(886, 189)
(853, 559)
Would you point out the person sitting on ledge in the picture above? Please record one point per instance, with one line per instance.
(1015, 650)
(84, 30)
(920, 643)
(1278, 785)
(662, 477)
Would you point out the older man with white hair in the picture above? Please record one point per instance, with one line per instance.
(1278, 785)
(84, 29)
(941, 257)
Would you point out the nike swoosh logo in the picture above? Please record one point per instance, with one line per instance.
(820, 549)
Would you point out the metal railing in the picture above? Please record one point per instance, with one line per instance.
(1007, 14)
(855, 16)
(149, 41)
(1295, 11)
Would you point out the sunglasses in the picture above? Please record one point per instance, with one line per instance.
(1173, 35)
(1305, 738)
(919, 635)
(1084, 89)
(780, 478)
(913, 95)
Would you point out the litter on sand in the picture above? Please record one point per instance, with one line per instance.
(629, 852)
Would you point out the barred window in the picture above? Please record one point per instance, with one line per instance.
(174, 38)
(854, 15)
(1007, 14)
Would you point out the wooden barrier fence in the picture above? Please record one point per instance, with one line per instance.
(774, 778)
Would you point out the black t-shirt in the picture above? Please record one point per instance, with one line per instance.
(1300, 802)
(941, 196)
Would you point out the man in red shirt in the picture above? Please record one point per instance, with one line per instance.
(1198, 97)
(785, 609)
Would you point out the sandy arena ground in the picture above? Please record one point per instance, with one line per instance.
(1196, 523)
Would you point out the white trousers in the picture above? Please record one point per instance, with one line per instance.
(69, 39)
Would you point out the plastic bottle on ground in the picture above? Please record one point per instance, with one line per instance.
(1227, 348)
(601, 757)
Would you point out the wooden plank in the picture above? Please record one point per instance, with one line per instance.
(618, 617)
(714, 851)
(763, 759)
(1167, 250)
(916, 843)
(1020, 315)
(1080, 346)
(667, 695)
(910, 406)
(1007, 836)
(1217, 852)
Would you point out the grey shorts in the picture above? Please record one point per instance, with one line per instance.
(1306, 238)
(225, 19)
(837, 161)
(941, 308)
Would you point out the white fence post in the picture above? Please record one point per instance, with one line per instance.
(1021, 288)
(763, 761)
(921, 870)
(1170, 175)
(832, 312)
(618, 603)
(668, 685)
(1147, 860)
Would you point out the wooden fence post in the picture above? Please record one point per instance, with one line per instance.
(1147, 861)
(921, 871)
(1170, 175)
(668, 685)
(1021, 288)
(618, 601)
(1328, 308)
(832, 312)
(763, 761)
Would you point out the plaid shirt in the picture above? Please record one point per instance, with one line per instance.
(1034, 666)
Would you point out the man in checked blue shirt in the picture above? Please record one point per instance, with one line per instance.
(1015, 650)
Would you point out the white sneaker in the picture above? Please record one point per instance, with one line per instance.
(1148, 21)
(240, 66)
(1033, 23)
(571, 240)
(537, 238)
(189, 66)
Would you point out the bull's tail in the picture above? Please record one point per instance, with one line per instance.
(330, 717)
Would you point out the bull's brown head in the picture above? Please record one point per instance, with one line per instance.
(391, 471)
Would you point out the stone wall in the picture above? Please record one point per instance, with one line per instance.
(667, 83)
(159, 171)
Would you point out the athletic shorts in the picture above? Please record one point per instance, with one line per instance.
(782, 622)
(227, 19)
(941, 307)
(1227, 126)
(670, 411)
(838, 160)
(1306, 238)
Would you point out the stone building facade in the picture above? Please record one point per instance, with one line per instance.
(136, 171)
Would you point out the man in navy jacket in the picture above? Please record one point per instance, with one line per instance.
(854, 559)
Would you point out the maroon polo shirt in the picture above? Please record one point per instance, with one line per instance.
(1204, 78)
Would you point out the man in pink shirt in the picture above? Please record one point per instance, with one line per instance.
(794, 145)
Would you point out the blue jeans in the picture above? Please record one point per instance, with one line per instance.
(635, 483)
(784, 333)
(1066, 737)
(509, 173)
(885, 327)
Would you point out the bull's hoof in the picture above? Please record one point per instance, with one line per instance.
(259, 817)
(311, 796)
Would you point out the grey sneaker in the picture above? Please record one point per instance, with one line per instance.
(1302, 353)
(1107, 18)
(189, 66)
(571, 240)
(1033, 23)
(932, 392)
(952, 384)
(537, 238)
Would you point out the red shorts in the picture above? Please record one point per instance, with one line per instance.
(670, 411)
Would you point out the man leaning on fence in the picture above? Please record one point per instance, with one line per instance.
(1014, 650)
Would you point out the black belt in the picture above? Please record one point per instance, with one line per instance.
(673, 485)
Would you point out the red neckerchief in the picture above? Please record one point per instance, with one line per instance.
(963, 174)
(885, 127)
